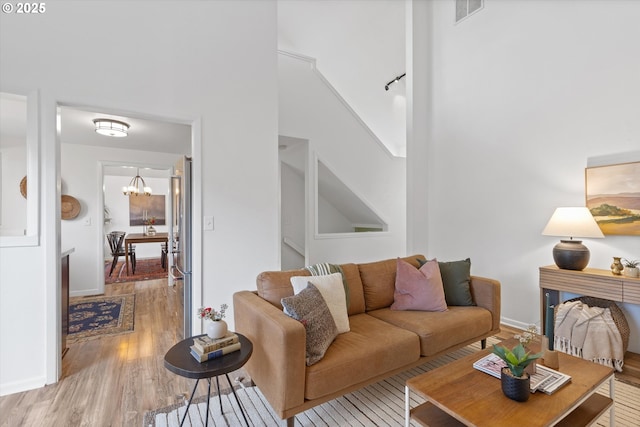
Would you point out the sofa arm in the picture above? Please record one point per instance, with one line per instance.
(277, 365)
(486, 294)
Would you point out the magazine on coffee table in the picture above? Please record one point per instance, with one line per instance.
(545, 379)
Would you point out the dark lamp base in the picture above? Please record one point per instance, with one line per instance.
(571, 255)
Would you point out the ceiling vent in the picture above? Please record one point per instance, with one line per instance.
(465, 8)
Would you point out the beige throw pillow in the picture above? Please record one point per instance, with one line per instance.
(332, 290)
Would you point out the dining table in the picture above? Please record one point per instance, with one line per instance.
(132, 238)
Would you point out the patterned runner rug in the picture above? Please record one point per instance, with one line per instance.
(146, 269)
(378, 405)
(94, 317)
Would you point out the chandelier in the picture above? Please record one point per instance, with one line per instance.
(136, 186)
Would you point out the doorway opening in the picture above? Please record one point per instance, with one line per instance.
(92, 169)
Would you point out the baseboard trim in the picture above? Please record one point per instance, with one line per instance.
(20, 386)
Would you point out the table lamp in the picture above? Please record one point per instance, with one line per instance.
(572, 222)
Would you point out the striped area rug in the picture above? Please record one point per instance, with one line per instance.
(378, 405)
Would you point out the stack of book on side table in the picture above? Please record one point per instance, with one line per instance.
(545, 379)
(205, 348)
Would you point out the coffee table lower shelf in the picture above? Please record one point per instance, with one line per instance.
(429, 415)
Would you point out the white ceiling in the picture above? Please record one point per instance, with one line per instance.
(146, 135)
(358, 44)
(77, 128)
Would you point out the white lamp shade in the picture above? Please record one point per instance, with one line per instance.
(572, 222)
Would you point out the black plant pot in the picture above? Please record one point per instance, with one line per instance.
(513, 387)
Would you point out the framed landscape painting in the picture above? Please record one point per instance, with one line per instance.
(141, 207)
(613, 197)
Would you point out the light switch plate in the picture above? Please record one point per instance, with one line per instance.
(208, 223)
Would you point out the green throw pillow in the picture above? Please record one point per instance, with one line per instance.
(456, 278)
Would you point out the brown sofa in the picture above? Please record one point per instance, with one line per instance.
(381, 342)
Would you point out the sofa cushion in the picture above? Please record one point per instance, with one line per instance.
(456, 276)
(310, 308)
(439, 331)
(379, 279)
(356, 294)
(275, 285)
(332, 289)
(418, 289)
(371, 348)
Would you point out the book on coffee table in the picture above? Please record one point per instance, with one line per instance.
(545, 379)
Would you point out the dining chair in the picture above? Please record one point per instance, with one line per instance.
(116, 244)
(164, 253)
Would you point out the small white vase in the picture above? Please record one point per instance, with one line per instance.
(216, 329)
(631, 271)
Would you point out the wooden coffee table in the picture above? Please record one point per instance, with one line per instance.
(459, 395)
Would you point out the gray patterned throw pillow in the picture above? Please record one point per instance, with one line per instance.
(309, 308)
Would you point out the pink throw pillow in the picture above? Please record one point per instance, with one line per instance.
(419, 289)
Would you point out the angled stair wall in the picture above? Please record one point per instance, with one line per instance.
(310, 109)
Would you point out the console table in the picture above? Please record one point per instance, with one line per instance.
(591, 282)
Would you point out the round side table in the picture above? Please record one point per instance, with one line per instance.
(180, 361)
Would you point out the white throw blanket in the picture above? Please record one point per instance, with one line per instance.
(589, 333)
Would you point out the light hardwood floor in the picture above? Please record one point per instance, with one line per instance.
(114, 381)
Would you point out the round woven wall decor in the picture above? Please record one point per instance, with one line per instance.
(69, 206)
(23, 187)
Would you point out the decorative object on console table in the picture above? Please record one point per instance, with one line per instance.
(515, 382)
(616, 266)
(631, 268)
(572, 222)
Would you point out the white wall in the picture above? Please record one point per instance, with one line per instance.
(524, 92)
(309, 109)
(13, 206)
(209, 61)
(292, 216)
(330, 219)
(347, 37)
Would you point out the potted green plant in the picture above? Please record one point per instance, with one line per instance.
(515, 381)
(631, 268)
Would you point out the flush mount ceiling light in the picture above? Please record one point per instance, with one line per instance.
(397, 79)
(136, 187)
(111, 127)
